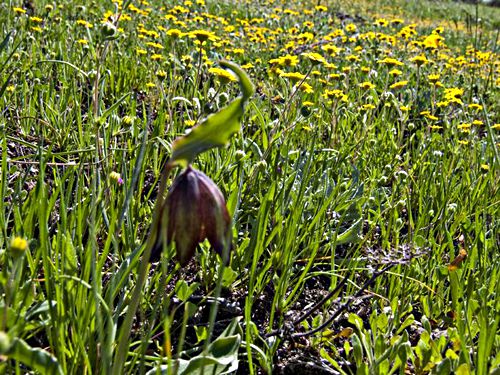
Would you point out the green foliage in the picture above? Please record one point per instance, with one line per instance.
(220, 358)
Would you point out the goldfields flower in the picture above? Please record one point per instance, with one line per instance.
(366, 85)
(293, 76)
(464, 126)
(174, 33)
(333, 94)
(389, 61)
(419, 60)
(203, 35)
(350, 28)
(287, 60)
(19, 10)
(154, 45)
(247, 66)
(223, 75)
(305, 87)
(433, 41)
(193, 210)
(352, 58)
(429, 116)
(395, 72)
(84, 23)
(433, 78)
(453, 94)
(398, 85)
(381, 22)
(475, 106)
(314, 57)
(331, 49)
(161, 74)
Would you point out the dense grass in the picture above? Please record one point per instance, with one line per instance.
(368, 197)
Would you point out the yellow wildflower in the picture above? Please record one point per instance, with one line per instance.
(223, 75)
(314, 57)
(174, 33)
(475, 106)
(84, 23)
(19, 10)
(395, 72)
(389, 61)
(18, 245)
(305, 87)
(203, 35)
(398, 85)
(293, 76)
(433, 78)
(419, 60)
(366, 85)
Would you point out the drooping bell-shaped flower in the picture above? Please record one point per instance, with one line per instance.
(194, 210)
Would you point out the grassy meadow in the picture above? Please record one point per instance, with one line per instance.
(356, 145)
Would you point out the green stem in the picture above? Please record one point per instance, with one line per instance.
(198, 69)
(141, 279)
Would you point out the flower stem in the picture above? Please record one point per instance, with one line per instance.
(141, 278)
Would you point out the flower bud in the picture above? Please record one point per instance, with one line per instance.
(18, 246)
(194, 210)
(108, 30)
(239, 155)
(5, 342)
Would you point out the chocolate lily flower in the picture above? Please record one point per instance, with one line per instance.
(194, 210)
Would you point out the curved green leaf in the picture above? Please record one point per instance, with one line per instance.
(36, 358)
(216, 129)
